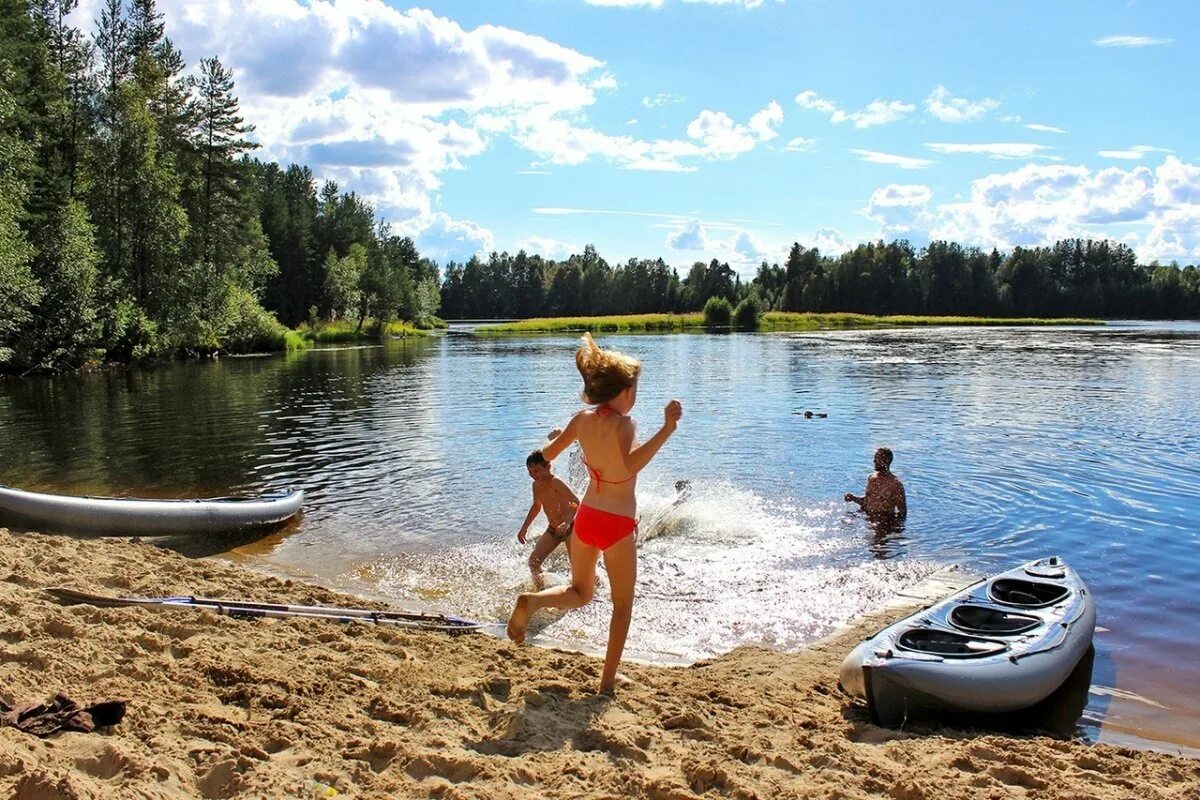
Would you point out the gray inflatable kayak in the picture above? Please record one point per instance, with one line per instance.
(129, 516)
(1002, 644)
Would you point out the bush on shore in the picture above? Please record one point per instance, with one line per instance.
(718, 312)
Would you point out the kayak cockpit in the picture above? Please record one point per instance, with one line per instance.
(1026, 594)
(948, 644)
(995, 621)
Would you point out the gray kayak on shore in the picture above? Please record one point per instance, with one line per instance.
(130, 516)
(1002, 644)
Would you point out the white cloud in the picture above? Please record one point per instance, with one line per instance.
(748, 247)
(1000, 150)
(877, 112)
(829, 241)
(661, 100)
(890, 159)
(1135, 153)
(625, 3)
(947, 108)
(799, 145)
(445, 239)
(1034, 126)
(1130, 41)
(691, 236)
(1038, 204)
(764, 123)
(548, 248)
(382, 101)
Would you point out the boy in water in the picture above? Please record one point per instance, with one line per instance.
(554, 497)
(884, 498)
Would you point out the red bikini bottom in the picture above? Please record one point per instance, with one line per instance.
(602, 529)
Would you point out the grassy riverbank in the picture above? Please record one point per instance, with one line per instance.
(342, 330)
(771, 321)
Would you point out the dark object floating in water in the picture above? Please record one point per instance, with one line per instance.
(129, 516)
(247, 609)
(817, 414)
(1002, 644)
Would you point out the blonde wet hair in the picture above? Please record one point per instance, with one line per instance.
(606, 373)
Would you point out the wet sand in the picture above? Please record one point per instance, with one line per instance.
(225, 708)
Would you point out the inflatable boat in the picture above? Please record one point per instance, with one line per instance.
(1002, 644)
(129, 516)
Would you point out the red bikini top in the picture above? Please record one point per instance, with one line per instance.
(604, 411)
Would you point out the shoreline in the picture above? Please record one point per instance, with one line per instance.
(229, 708)
(770, 322)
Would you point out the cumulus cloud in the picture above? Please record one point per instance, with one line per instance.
(799, 145)
(829, 241)
(691, 236)
(892, 160)
(548, 248)
(999, 150)
(712, 135)
(1040, 203)
(747, 245)
(899, 208)
(1135, 153)
(1130, 41)
(764, 123)
(445, 239)
(381, 100)
(877, 112)
(947, 108)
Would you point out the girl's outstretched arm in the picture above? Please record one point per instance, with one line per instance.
(637, 458)
(562, 441)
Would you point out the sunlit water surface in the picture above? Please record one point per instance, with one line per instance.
(1013, 444)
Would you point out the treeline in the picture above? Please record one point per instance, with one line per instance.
(1073, 278)
(133, 222)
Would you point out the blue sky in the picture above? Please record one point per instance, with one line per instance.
(693, 129)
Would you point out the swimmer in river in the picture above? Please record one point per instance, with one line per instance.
(559, 503)
(884, 499)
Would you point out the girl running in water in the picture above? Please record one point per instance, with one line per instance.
(607, 516)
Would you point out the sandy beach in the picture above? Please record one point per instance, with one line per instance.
(226, 708)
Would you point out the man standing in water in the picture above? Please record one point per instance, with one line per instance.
(884, 498)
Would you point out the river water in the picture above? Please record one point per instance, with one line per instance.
(1013, 444)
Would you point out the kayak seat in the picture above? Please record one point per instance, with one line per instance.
(1027, 594)
(996, 621)
(948, 644)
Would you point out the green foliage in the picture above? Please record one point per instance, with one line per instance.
(252, 329)
(66, 325)
(19, 290)
(343, 277)
(718, 313)
(1073, 278)
(338, 331)
(747, 314)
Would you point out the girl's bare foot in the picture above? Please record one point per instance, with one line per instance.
(519, 619)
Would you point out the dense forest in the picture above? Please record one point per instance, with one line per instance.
(1073, 278)
(135, 223)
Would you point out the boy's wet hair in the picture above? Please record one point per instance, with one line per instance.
(536, 459)
(886, 452)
